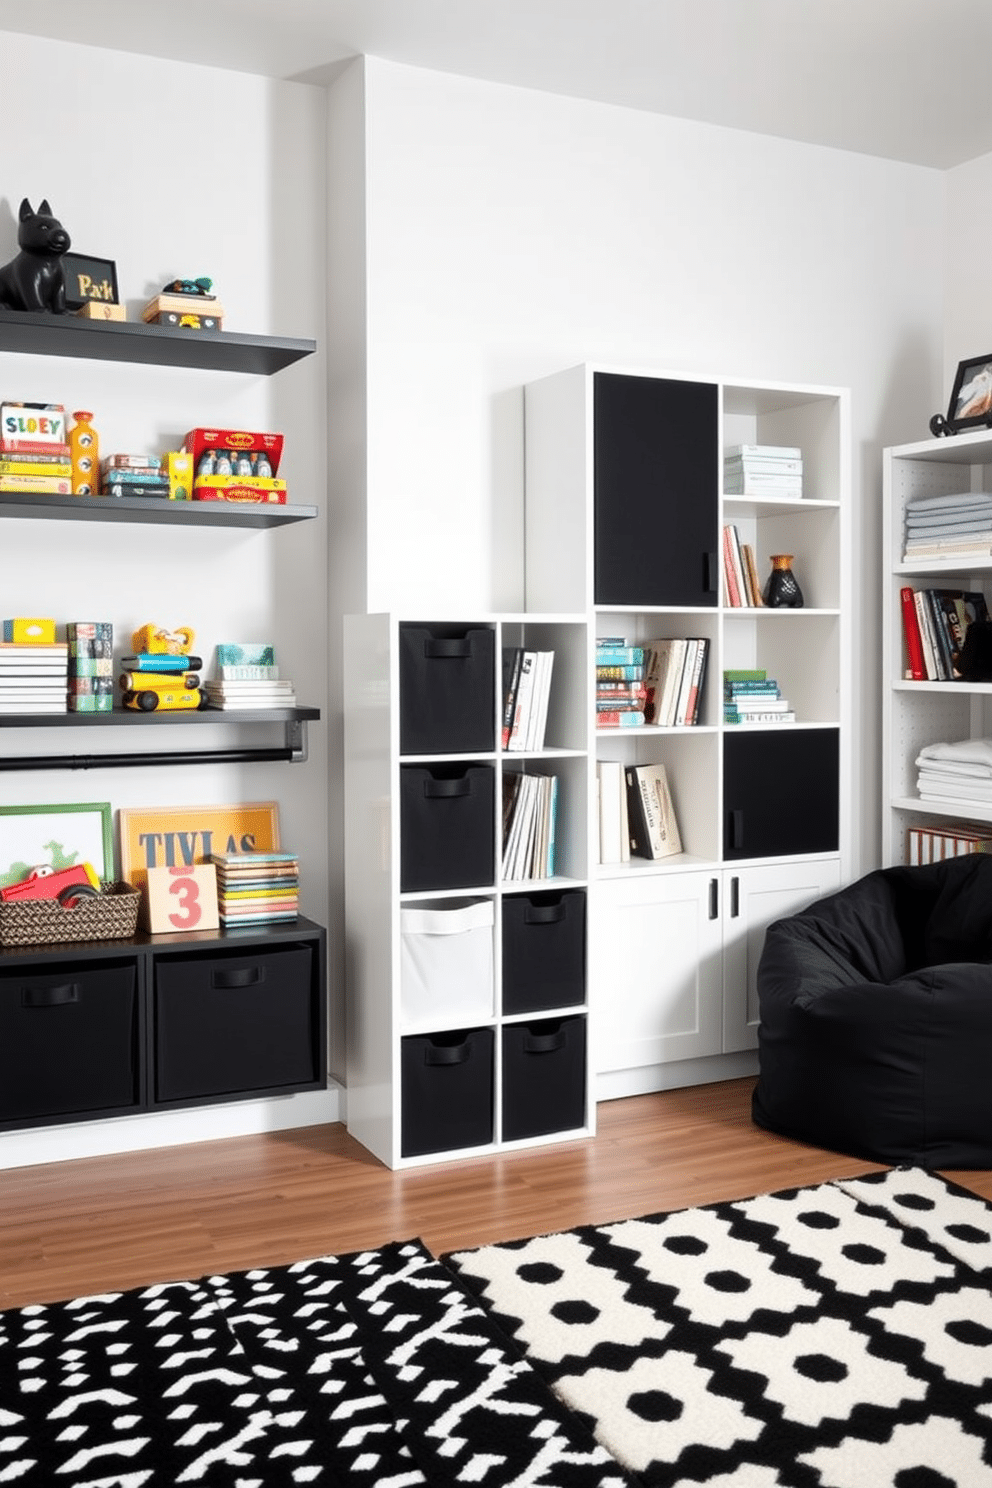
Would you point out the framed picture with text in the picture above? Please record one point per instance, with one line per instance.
(173, 836)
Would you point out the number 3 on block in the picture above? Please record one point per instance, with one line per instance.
(183, 898)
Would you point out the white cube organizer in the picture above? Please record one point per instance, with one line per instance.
(446, 965)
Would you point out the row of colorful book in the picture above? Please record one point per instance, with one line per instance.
(935, 623)
(529, 816)
(636, 812)
(750, 696)
(658, 682)
(934, 844)
(255, 887)
(526, 697)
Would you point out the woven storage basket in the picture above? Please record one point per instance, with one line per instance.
(110, 915)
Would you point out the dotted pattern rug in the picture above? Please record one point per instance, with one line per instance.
(837, 1336)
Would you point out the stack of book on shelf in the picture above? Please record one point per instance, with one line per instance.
(675, 670)
(34, 678)
(953, 527)
(620, 683)
(960, 771)
(529, 815)
(751, 696)
(526, 695)
(763, 470)
(256, 886)
(34, 449)
(935, 622)
(740, 573)
(934, 844)
(247, 676)
(636, 814)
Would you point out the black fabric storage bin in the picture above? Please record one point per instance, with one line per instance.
(447, 1091)
(447, 827)
(544, 941)
(229, 1024)
(68, 1040)
(447, 690)
(544, 1077)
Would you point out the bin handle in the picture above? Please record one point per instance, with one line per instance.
(441, 650)
(37, 997)
(238, 976)
(544, 1043)
(459, 786)
(544, 914)
(447, 1053)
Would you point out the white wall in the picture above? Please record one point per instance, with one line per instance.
(176, 170)
(968, 318)
(512, 233)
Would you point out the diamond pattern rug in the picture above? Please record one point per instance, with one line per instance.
(838, 1336)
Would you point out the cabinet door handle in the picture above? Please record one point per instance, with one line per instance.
(38, 997)
(714, 898)
(238, 976)
(735, 897)
(737, 830)
(710, 571)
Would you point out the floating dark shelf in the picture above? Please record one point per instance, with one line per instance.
(38, 334)
(131, 718)
(151, 509)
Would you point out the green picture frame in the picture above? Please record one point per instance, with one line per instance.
(58, 835)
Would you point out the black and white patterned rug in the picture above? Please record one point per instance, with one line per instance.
(837, 1336)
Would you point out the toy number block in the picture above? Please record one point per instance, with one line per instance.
(180, 899)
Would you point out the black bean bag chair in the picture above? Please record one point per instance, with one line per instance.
(876, 1018)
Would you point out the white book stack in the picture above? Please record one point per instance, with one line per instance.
(34, 678)
(769, 470)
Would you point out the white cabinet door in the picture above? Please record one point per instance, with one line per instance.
(751, 899)
(656, 967)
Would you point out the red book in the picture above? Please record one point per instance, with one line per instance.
(911, 627)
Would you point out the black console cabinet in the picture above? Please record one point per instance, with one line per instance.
(111, 1028)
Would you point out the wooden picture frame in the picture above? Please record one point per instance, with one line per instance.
(166, 837)
(88, 278)
(970, 405)
(58, 835)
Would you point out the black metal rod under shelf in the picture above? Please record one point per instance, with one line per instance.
(157, 757)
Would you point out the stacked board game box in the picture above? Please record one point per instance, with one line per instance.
(253, 887)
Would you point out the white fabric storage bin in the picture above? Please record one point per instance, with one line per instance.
(446, 965)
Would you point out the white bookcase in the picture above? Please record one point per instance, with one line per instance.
(624, 520)
(918, 713)
(624, 516)
(408, 1116)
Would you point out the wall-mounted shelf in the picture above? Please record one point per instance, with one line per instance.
(151, 509)
(293, 749)
(37, 334)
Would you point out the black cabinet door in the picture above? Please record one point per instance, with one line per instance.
(780, 792)
(656, 491)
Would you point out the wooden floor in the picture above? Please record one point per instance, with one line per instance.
(98, 1224)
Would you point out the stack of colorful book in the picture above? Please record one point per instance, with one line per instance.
(257, 886)
(33, 677)
(751, 696)
(620, 690)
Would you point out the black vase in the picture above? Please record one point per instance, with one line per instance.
(781, 591)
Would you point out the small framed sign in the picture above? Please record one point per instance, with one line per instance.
(89, 279)
(181, 899)
(970, 406)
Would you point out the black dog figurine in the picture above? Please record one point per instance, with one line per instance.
(34, 279)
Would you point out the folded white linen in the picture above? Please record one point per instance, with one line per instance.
(977, 751)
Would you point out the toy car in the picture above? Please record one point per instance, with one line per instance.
(67, 885)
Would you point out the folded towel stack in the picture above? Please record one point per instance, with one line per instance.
(958, 525)
(960, 771)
